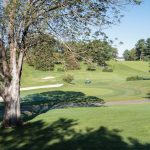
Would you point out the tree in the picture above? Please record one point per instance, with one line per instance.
(126, 55)
(41, 55)
(133, 54)
(140, 49)
(147, 50)
(130, 55)
(22, 20)
(100, 51)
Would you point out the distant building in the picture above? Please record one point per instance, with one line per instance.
(120, 59)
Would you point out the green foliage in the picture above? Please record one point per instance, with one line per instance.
(100, 51)
(41, 59)
(146, 58)
(126, 54)
(107, 69)
(91, 67)
(47, 52)
(140, 48)
(140, 52)
(68, 78)
(44, 65)
(41, 55)
(134, 78)
(130, 55)
(71, 62)
(96, 50)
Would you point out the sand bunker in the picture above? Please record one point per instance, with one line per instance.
(47, 78)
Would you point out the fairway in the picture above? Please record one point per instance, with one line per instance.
(74, 75)
(116, 127)
(111, 86)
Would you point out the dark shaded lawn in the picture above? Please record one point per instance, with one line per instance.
(36, 104)
(60, 135)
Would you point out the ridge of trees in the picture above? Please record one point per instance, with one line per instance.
(46, 54)
(141, 51)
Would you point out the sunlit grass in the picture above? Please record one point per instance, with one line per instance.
(107, 85)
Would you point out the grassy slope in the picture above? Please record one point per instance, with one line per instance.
(109, 86)
(32, 77)
(132, 120)
(115, 127)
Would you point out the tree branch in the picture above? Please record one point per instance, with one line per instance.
(4, 59)
(20, 61)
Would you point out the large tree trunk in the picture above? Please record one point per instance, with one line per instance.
(11, 96)
(12, 113)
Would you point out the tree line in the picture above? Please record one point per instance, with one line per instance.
(47, 54)
(141, 51)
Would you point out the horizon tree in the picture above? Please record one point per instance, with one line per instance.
(147, 50)
(140, 48)
(22, 20)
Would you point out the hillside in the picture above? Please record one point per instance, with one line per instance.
(110, 86)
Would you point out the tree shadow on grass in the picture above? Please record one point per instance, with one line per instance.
(147, 96)
(35, 104)
(61, 135)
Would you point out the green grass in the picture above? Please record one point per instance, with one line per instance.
(132, 120)
(96, 128)
(92, 128)
(111, 86)
(32, 77)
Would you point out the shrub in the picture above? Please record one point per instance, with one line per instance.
(146, 78)
(134, 78)
(107, 69)
(91, 68)
(44, 65)
(60, 69)
(68, 78)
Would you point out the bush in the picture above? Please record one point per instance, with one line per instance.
(91, 68)
(44, 65)
(68, 78)
(60, 69)
(107, 69)
(146, 78)
(134, 78)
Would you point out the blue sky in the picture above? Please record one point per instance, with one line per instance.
(134, 26)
